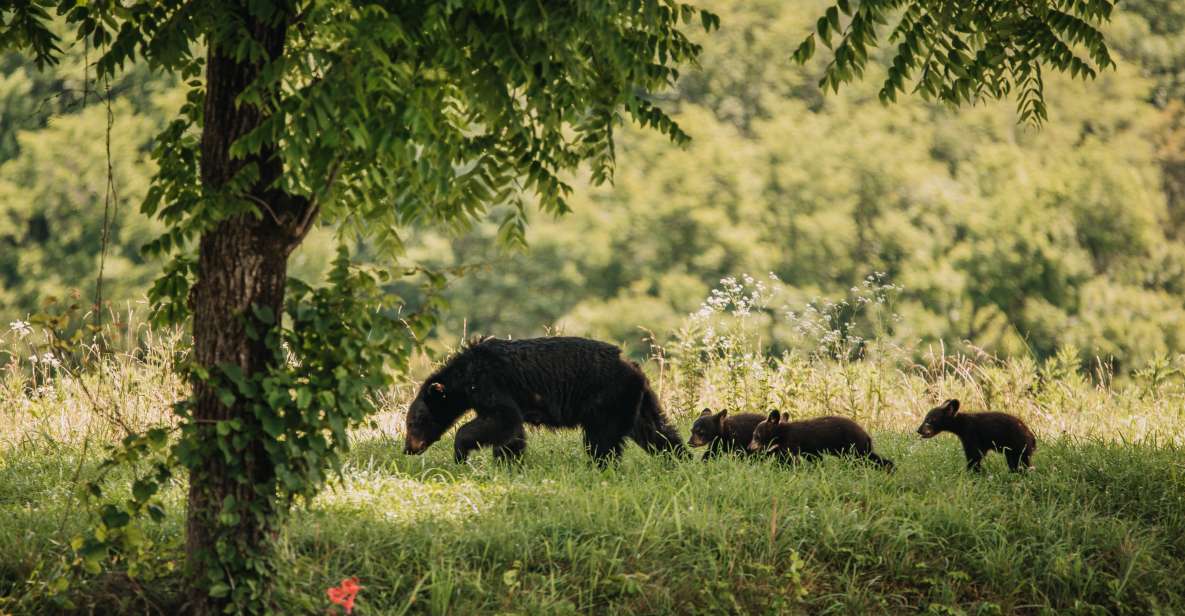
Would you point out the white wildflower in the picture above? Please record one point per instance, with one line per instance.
(21, 328)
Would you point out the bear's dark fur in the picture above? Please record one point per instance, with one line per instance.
(981, 433)
(559, 382)
(814, 437)
(723, 433)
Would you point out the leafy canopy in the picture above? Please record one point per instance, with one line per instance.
(392, 113)
(960, 52)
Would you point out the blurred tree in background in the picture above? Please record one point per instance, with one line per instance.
(53, 177)
(1009, 238)
(1012, 239)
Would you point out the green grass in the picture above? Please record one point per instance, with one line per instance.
(1098, 527)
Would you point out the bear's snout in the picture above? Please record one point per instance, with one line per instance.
(414, 446)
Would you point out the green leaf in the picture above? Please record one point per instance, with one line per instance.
(824, 30)
(264, 314)
(833, 18)
(272, 425)
(114, 517)
(143, 490)
(158, 438)
(805, 50)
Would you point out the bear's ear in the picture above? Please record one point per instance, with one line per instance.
(705, 412)
(785, 417)
(951, 406)
(774, 416)
(720, 417)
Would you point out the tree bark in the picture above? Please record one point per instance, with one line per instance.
(242, 263)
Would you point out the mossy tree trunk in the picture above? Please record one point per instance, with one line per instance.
(242, 264)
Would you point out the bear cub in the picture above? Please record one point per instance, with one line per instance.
(981, 433)
(814, 437)
(723, 433)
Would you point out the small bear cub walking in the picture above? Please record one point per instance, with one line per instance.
(723, 433)
(812, 437)
(981, 433)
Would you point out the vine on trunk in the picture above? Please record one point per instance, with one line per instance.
(333, 347)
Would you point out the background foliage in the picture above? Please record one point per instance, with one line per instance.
(1099, 527)
(1011, 240)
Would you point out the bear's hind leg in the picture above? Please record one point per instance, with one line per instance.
(512, 450)
(603, 447)
(656, 436)
(884, 463)
(484, 432)
(651, 429)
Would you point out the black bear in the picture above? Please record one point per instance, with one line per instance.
(723, 433)
(814, 437)
(554, 381)
(981, 433)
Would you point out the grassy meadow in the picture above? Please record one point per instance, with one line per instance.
(1098, 527)
(1051, 262)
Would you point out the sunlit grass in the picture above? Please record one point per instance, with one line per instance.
(1098, 527)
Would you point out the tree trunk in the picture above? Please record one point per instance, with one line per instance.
(236, 271)
(242, 263)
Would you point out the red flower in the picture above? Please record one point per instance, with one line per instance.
(343, 594)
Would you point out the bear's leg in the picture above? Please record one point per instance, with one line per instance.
(603, 445)
(789, 458)
(512, 449)
(1013, 456)
(650, 429)
(607, 419)
(815, 457)
(603, 453)
(884, 463)
(974, 457)
(482, 432)
(659, 437)
(1025, 457)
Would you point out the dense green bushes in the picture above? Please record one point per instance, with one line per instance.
(1016, 241)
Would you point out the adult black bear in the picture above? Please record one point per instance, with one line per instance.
(814, 437)
(723, 433)
(555, 381)
(981, 433)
